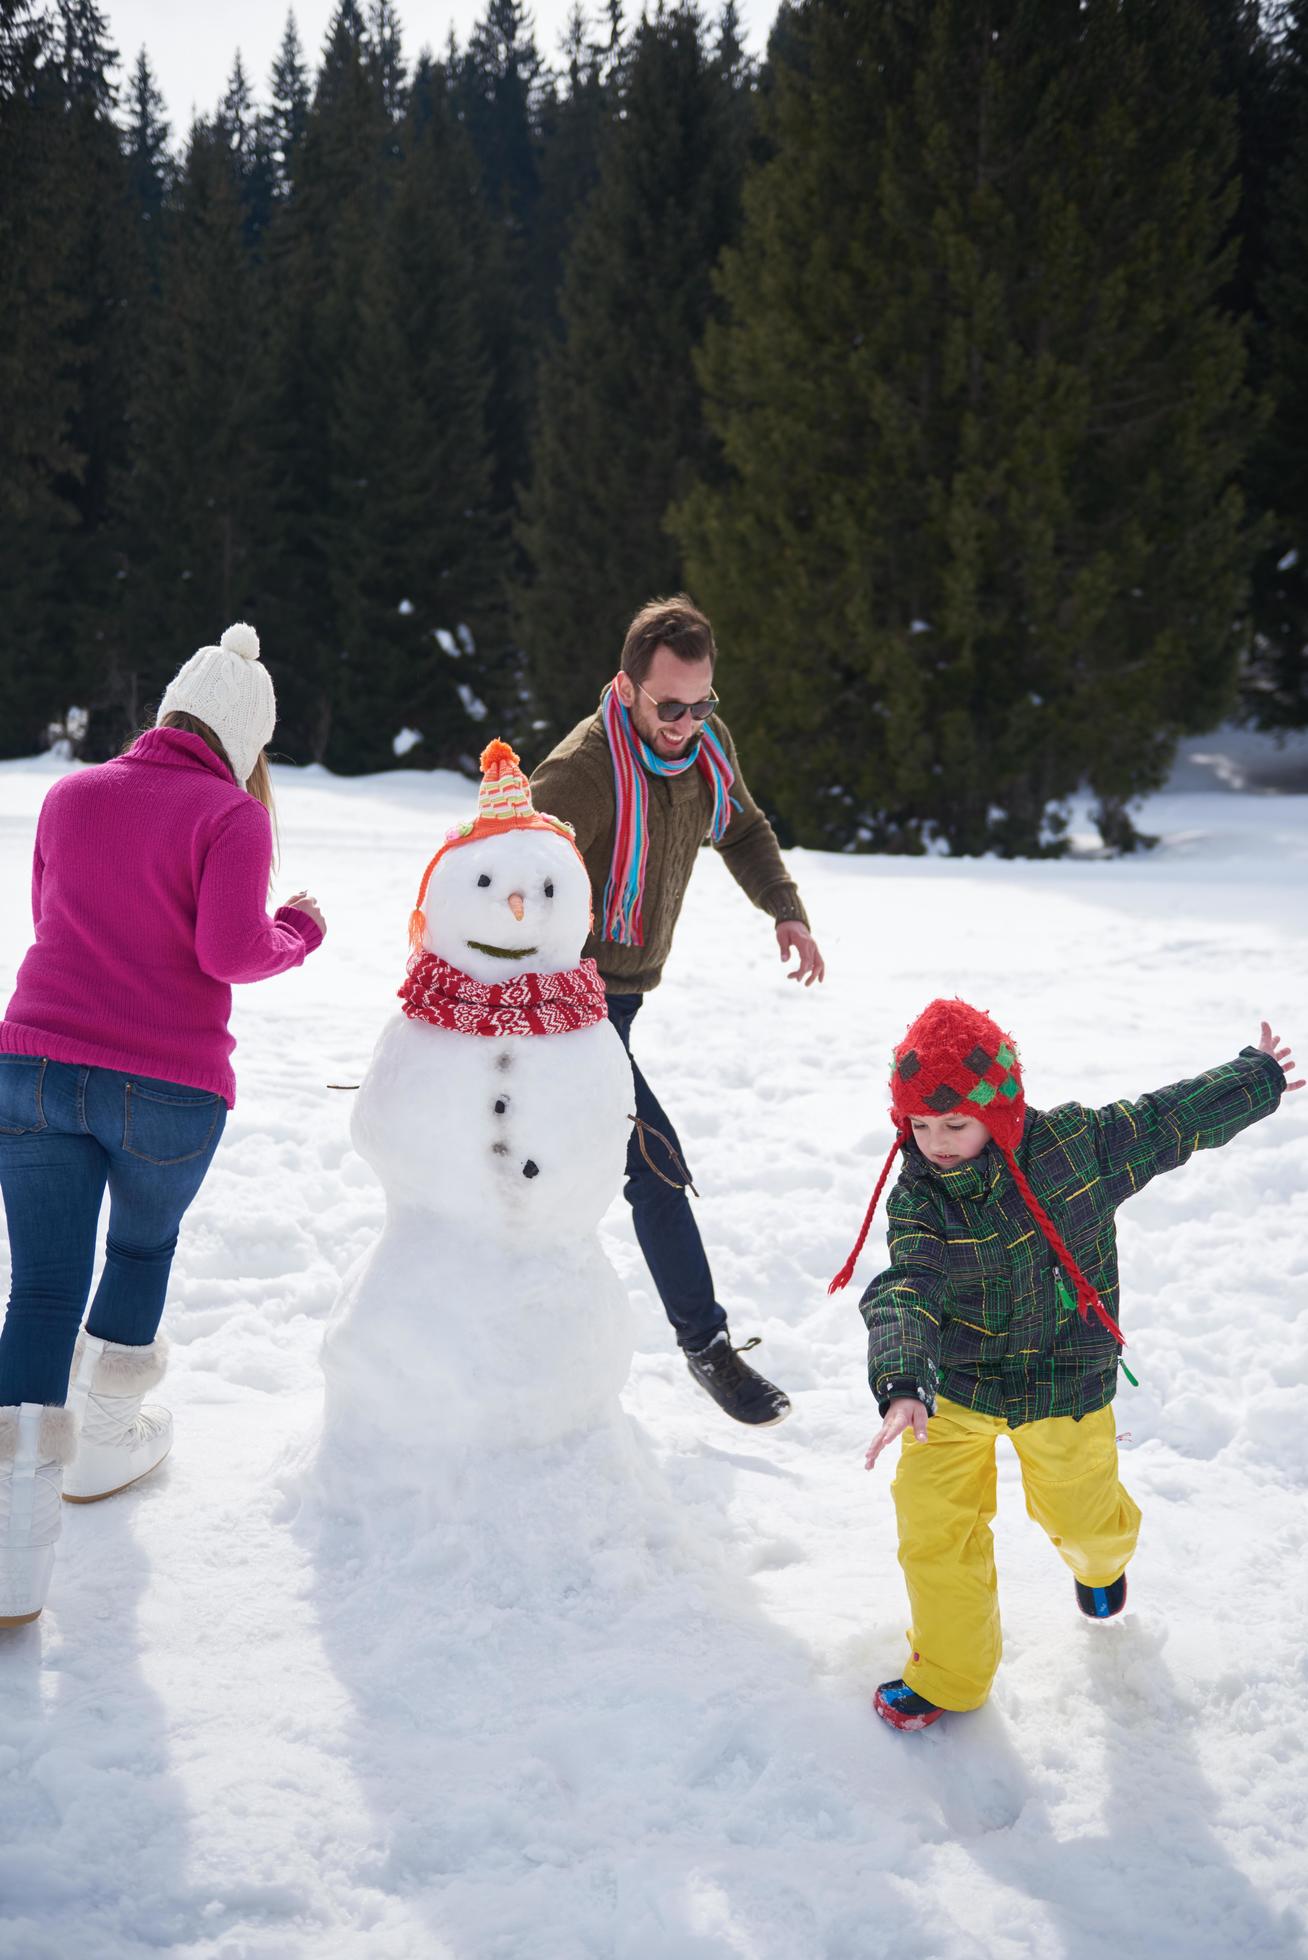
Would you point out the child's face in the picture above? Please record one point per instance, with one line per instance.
(949, 1140)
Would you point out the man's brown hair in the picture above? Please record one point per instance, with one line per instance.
(675, 623)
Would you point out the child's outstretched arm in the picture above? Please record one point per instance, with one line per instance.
(903, 1309)
(1136, 1141)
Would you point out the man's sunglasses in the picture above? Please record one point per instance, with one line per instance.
(674, 710)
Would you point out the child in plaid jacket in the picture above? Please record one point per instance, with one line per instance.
(998, 1314)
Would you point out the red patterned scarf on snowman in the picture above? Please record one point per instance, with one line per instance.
(531, 1003)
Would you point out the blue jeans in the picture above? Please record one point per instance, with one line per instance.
(665, 1225)
(66, 1132)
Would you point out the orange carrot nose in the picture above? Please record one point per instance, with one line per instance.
(515, 904)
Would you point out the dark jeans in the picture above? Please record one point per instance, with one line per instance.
(665, 1225)
(66, 1132)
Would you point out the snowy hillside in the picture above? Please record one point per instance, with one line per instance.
(626, 1716)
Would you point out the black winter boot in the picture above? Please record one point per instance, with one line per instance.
(734, 1386)
(1101, 1602)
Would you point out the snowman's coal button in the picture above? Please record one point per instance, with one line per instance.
(501, 1105)
(530, 1169)
(499, 1149)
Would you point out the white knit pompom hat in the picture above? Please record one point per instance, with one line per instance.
(228, 688)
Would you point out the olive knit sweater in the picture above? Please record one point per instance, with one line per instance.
(575, 782)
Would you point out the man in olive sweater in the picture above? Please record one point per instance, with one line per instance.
(644, 782)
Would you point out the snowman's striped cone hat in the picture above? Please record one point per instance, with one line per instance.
(503, 804)
(505, 794)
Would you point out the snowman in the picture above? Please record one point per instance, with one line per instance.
(495, 1113)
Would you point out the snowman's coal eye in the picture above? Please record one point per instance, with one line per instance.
(484, 879)
(549, 888)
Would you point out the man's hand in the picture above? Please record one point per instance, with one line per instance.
(1268, 1044)
(904, 1411)
(795, 938)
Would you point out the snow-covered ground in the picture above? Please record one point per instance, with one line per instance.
(628, 1715)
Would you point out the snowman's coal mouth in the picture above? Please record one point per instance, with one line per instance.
(501, 952)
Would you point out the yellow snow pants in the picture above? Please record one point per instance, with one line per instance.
(944, 1492)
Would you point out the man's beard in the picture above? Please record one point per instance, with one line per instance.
(674, 730)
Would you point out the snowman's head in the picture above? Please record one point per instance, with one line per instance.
(500, 906)
(506, 893)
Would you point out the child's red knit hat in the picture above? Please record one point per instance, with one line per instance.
(955, 1060)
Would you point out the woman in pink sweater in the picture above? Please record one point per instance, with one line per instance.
(149, 900)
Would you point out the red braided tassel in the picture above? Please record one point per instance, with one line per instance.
(846, 1272)
(1087, 1299)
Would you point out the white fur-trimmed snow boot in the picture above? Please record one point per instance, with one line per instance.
(118, 1441)
(36, 1441)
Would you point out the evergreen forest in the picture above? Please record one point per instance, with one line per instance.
(953, 355)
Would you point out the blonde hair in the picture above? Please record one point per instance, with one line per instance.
(258, 783)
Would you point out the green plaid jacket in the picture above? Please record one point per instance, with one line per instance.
(973, 1302)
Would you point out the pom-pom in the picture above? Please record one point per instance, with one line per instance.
(241, 639)
(497, 752)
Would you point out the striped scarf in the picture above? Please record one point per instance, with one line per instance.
(632, 760)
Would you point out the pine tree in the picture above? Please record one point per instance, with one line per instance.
(497, 85)
(323, 253)
(386, 62)
(38, 378)
(87, 56)
(76, 291)
(572, 116)
(288, 92)
(1276, 683)
(1244, 74)
(496, 89)
(24, 46)
(249, 138)
(417, 571)
(107, 288)
(979, 539)
(149, 162)
(237, 115)
(620, 430)
(196, 511)
(36, 386)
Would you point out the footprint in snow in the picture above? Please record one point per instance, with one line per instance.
(974, 1773)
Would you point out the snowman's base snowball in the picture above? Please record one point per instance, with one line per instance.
(443, 1349)
(502, 1560)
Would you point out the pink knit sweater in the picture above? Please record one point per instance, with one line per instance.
(149, 897)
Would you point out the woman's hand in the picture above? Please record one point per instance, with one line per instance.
(1268, 1044)
(904, 1411)
(303, 903)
